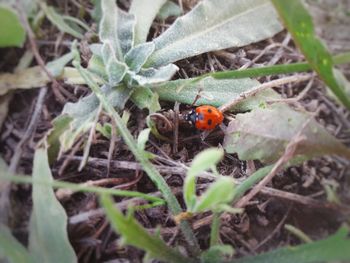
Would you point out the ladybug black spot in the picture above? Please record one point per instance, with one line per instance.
(210, 122)
(209, 110)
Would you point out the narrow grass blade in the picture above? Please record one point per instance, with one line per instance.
(134, 234)
(299, 23)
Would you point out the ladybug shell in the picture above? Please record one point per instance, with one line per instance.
(208, 117)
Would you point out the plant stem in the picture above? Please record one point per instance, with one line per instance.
(298, 233)
(342, 58)
(19, 179)
(151, 171)
(215, 230)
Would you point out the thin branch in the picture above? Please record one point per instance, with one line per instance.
(264, 86)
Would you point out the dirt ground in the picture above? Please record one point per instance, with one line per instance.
(259, 228)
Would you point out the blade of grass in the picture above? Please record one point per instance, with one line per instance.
(299, 23)
(151, 171)
(134, 234)
(342, 58)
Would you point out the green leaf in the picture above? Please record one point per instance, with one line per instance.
(215, 254)
(264, 133)
(48, 238)
(155, 75)
(56, 66)
(138, 55)
(205, 160)
(332, 249)
(116, 29)
(84, 111)
(214, 25)
(146, 98)
(60, 125)
(214, 92)
(202, 162)
(58, 20)
(143, 138)
(11, 31)
(140, 156)
(33, 77)
(219, 192)
(11, 249)
(115, 69)
(134, 234)
(299, 23)
(169, 9)
(105, 130)
(145, 12)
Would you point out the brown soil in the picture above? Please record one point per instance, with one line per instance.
(258, 229)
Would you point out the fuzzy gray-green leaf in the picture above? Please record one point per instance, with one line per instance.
(145, 11)
(138, 55)
(48, 237)
(169, 9)
(155, 75)
(214, 25)
(213, 92)
(83, 112)
(264, 133)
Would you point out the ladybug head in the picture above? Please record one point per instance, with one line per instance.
(191, 117)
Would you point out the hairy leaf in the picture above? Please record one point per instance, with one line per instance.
(264, 133)
(214, 92)
(155, 75)
(138, 55)
(116, 29)
(134, 234)
(11, 31)
(332, 249)
(214, 25)
(169, 9)
(33, 77)
(84, 111)
(299, 22)
(146, 98)
(48, 237)
(145, 12)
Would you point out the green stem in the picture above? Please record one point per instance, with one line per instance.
(19, 179)
(151, 171)
(342, 58)
(215, 230)
(298, 233)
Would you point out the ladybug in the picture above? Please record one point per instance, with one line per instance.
(205, 117)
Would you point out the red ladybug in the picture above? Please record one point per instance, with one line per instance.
(205, 117)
